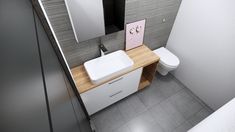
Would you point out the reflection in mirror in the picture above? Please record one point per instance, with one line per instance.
(114, 14)
(87, 18)
(95, 18)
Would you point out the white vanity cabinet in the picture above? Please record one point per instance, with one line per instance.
(112, 91)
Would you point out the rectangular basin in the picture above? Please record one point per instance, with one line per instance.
(105, 67)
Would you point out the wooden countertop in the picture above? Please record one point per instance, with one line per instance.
(142, 56)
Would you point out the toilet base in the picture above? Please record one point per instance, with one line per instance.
(162, 70)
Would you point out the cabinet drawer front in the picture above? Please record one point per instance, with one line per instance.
(111, 92)
(95, 99)
(124, 86)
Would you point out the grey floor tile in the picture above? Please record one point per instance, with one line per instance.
(165, 106)
(142, 123)
(210, 110)
(168, 85)
(185, 103)
(199, 100)
(108, 120)
(167, 116)
(131, 107)
(123, 128)
(183, 127)
(198, 117)
(155, 128)
(151, 96)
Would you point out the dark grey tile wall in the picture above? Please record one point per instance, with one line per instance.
(156, 34)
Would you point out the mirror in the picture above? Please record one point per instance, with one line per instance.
(114, 15)
(94, 18)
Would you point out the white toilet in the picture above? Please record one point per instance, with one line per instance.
(168, 61)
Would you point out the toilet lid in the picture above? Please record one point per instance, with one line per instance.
(166, 57)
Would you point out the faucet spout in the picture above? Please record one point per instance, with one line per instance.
(103, 50)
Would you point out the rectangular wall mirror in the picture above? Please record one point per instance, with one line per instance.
(94, 18)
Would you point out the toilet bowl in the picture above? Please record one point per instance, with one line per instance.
(168, 61)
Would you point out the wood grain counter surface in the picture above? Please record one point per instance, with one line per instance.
(142, 56)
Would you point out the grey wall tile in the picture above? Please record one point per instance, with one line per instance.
(157, 32)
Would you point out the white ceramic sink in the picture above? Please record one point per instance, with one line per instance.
(108, 66)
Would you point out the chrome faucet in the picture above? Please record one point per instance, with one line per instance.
(103, 50)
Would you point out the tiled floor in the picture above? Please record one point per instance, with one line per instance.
(165, 106)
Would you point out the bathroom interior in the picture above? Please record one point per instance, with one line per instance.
(117, 66)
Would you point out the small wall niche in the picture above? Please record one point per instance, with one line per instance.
(114, 15)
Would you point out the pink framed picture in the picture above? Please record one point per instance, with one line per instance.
(135, 34)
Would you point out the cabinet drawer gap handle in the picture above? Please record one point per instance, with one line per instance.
(116, 94)
(116, 80)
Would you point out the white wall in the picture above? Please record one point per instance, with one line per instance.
(203, 37)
